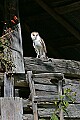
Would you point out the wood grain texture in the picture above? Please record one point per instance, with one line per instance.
(8, 86)
(68, 67)
(11, 109)
(73, 111)
(17, 50)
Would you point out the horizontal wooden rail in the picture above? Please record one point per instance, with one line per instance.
(49, 98)
(49, 75)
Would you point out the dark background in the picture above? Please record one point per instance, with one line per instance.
(58, 24)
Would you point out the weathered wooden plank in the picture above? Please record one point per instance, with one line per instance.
(11, 109)
(18, 108)
(60, 93)
(8, 86)
(49, 98)
(11, 9)
(45, 93)
(46, 109)
(45, 81)
(74, 86)
(28, 117)
(73, 111)
(28, 102)
(42, 112)
(25, 117)
(68, 67)
(46, 87)
(17, 51)
(49, 75)
(32, 88)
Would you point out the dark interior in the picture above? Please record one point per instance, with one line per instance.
(58, 23)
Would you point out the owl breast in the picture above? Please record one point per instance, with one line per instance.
(37, 44)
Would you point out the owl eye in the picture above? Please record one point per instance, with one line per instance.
(33, 35)
(37, 35)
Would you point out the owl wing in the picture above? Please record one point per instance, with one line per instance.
(33, 45)
(43, 45)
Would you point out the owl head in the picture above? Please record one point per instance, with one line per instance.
(34, 35)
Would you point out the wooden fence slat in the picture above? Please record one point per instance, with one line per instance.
(11, 109)
(8, 86)
(18, 108)
(49, 98)
(7, 109)
(60, 93)
(45, 87)
(49, 75)
(31, 84)
(45, 93)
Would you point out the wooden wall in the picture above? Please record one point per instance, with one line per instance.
(71, 71)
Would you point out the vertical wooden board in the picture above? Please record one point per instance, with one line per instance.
(11, 10)
(17, 50)
(60, 93)
(32, 89)
(7, 108)
(18, 109)
(11, 109)
(8, 86)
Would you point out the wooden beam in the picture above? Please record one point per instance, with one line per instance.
(59, 19)
(70, 68)
(68, 8)
(8, 86)
(59, 75)
(11, 9)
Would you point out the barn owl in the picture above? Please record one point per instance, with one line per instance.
(39, 45)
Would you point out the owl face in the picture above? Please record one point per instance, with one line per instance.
(34, 35)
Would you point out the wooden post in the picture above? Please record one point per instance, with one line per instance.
(11, 109)
(17, 50)
(11, 10)
(60, 93)
(8, 86)
(31, 85)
